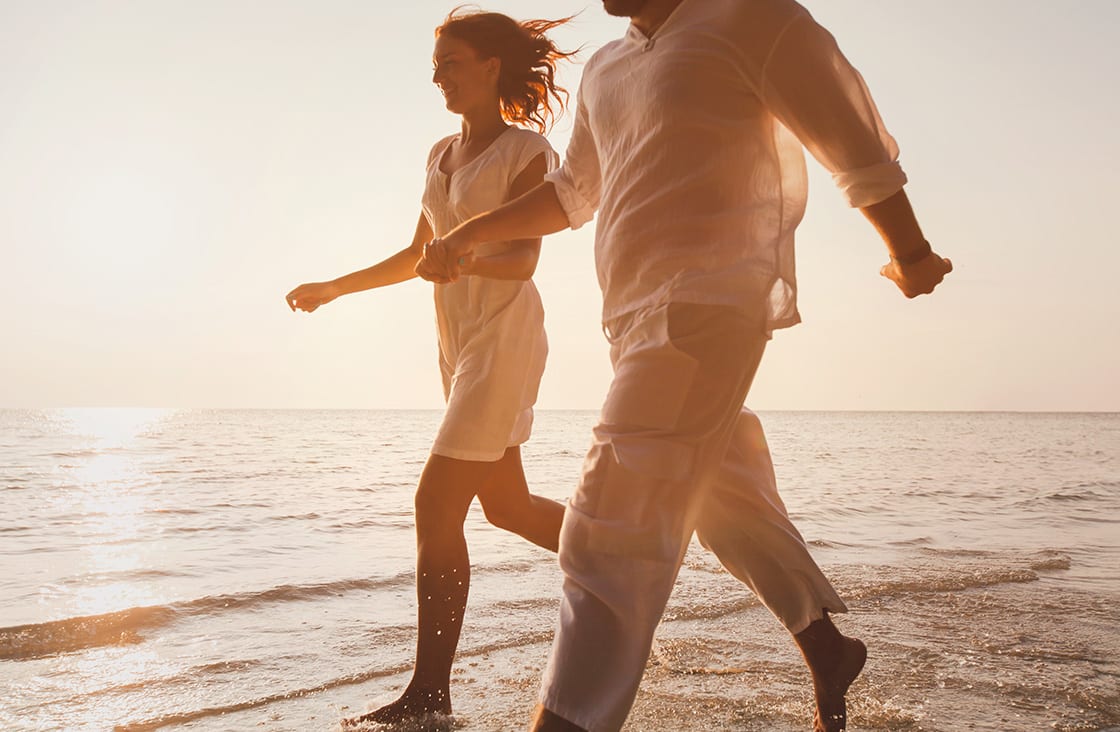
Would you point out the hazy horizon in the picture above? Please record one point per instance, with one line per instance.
(169, 171)
(203, 408)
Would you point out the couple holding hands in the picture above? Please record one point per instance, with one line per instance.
(687, 146)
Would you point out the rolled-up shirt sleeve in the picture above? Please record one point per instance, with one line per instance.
(810, 86)
(578, 181)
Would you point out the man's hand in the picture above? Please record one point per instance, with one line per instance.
(445, 260)
(431, 265)
(920, 277)
(437, 264)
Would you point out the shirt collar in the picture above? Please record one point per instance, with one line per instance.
(636, 36)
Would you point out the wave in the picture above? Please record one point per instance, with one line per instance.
(1096, 491)
(175, 511)
(1084, 491)
(359, 524)
(241, 528)
(15, 529)
(189, 676)
(124, 575)
(1044, 559)
(81, 453)
(833, 544)
(347, 680)
(709, 608)
(916, 541)
(955, 580)
(25, 642)
(176, 718)
(1056, 562)
(967, 570)
(246, 504)
(39, 640)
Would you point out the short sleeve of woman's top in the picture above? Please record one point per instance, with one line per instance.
(526, 147)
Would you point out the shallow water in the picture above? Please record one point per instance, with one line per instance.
(217, 570)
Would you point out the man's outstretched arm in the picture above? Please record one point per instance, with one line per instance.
(810, 86)
(914, 267)
(533, 215)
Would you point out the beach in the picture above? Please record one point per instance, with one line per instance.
(235, 570)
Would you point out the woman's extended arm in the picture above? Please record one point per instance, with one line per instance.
(397, 268)
(520, 260)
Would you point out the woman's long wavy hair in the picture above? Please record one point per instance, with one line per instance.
(527, 89)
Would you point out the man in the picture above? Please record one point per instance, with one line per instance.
(687, 143)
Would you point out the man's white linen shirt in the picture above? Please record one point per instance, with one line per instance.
(682, 143)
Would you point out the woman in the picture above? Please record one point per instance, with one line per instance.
(496, 73)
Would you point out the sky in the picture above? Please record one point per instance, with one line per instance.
(170, 169)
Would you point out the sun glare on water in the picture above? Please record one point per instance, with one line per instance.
(109, 561)
(110, 498)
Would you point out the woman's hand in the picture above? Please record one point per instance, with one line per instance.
(309, 296)
(431, 264)
(441, 265)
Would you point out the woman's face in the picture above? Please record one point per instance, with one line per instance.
(466, 81)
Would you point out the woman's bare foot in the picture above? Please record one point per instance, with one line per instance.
(835, 661)
(413, 706)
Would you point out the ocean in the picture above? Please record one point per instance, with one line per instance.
(253, 570)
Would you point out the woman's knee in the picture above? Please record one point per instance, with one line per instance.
(439, 506)
(503, 512)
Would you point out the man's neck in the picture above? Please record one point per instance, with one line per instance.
(654, 15)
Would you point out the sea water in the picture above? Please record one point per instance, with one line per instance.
(253, 570)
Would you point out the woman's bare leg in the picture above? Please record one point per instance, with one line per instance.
(509, 505)
(447, 487)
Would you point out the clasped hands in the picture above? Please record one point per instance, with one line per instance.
(444, 261)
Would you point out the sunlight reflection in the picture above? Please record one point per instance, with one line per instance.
(105, 470)
(111, 495)
(120, 668)
(112, 429)
(99, 668)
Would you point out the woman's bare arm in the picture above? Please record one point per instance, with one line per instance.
(397, 268)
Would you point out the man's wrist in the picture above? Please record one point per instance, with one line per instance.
(465, 237)
(914, 255)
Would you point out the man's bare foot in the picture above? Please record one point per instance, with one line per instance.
(545, 720)
(835, 661)
(832, 684)
(413, 706)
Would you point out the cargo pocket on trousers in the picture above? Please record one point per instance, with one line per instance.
(652, 378)
(627, 505)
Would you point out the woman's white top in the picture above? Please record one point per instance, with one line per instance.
(492, 344)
